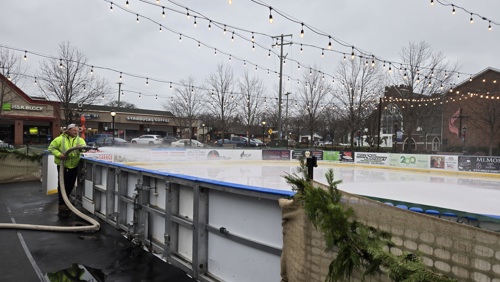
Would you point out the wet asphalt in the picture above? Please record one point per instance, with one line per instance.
(33, 255)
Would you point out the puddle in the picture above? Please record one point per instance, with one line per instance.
(76, 272)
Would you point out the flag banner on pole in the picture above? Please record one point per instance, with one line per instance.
(451, 125)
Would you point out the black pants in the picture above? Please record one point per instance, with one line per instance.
(70, 175)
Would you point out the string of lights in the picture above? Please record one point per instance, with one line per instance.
(370, 59)
(354, 49)
(472, 14)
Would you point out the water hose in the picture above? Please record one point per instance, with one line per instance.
(95, 226)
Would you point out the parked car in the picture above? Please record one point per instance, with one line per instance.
(169, 139)
(222, 141)
(257, 142)
(185, 143)
(292, 143)
(109, 141)
(147, 140)
(94, 137)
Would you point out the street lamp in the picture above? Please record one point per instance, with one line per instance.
(204, 134)
(113, 114)
(263, 130)
(464, 130)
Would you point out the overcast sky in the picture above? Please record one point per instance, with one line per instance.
(114, 40)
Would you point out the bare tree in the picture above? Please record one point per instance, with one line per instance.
(356, 94)
(70, 80)
(187, 106)
(312, 95)
(486, 118)
(12, 68)
(422, 75)
(223, 100)
(121, 104)
(253, 90)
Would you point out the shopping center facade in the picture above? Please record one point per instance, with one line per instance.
(29, 120)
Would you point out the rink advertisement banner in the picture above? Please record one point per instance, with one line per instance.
(372, 158)
(409, 161)
(281, 155)
(479, 164)
(333, 156)
(442, 162)
(246, 155)
(297, 154)
(346, 157)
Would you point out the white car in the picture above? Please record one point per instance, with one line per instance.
(181, 143)
(147, 140)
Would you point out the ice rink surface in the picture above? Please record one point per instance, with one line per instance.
(463, 192)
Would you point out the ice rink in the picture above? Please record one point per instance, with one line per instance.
(455, 191)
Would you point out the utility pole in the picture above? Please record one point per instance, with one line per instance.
(286, 116)
(119, 91)
(281, 78)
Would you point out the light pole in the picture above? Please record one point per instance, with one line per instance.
(204, 134)
(263, 130)
(113, 114)
(464, 130)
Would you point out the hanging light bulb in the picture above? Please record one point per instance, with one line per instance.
(199, 45)
(244, 63)
(329, 43)
(322, 52)
(25, 55)
(194, 21)
(230, 57)
(35, 80)
(92, 70)
(300, 48)
(471, 19)
(187, 13)
(453, 11)
(253, 38)
(302, 31)
(156, 97)
(269, 54)
(489, 25)
(352, 53)
(225, 29)
(147, 81)
(160, 29)
(139, 95)
(163, 12)
(60, 64)
(170, 85)
(432, 2)
(215, 53)
(120, 76)
(298, 67)
(111, 7)
(180, 37)
(137, 20)
(270, 15)
(230, 2)
(210, 25)
(253, 47)
(126, 3)
(232, 37)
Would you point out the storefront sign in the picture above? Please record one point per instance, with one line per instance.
(165, 120)
(10, 107)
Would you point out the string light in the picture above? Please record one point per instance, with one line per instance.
(432, 2)
(163, 12)
(137, 20)
(489, 25)
(187, 13)
(301, 48)
(253, 38)
(194, 21)
(92, 70)
(270, 15)
(329, 43)
(352, 53)
(25, 55)
(60, 63)
(302, 31)
(471, 19)
(147, 81)
(126, 3)
(111, 7)
(210, 25)
(120, 76)
(232, 37)
(453, 11)
(160, 29)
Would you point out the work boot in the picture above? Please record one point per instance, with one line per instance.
(64, 211)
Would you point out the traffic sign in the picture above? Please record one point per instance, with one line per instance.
(270, 131)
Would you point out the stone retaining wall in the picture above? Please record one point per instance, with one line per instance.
(457, 250)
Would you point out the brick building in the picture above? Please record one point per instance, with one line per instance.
(471, 115)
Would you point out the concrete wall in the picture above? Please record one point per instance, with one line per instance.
(457, 250)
